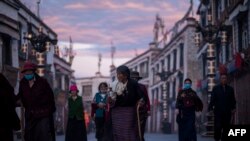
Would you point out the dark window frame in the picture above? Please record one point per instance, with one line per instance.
(6, 49)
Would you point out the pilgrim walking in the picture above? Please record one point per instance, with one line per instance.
(187, 104)
(99, 102)
(76, 129)
(223, 104)
(128, 96)
(38, 100)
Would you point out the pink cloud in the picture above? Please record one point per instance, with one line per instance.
(92, 32)
(76, 6)
(119, 53)
(96, 35)
(102, 5)
(126, 29)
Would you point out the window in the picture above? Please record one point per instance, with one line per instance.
(203, 18)
(169, 59)
(154, 75)
(244, 38)
(66, 83)
(136, 68)
(146, 75)
(174, 61)
(218, 9)
(58, 81)
(142, 69)
(226, 3)
(174, 89)
(162, 65)
(157, 68)
(6, 50)
(181, 54)
(87, 90)
(181, 80)
(243, 33)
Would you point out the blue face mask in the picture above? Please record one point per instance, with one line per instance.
(187, 86)
(29, 76)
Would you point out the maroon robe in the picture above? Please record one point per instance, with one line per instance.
(39, 105)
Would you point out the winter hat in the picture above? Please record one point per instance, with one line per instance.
(135, 74)
(28, 66)
(73, 88)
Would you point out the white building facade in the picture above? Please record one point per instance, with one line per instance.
(178, 56)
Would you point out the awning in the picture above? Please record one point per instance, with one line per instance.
(8, 31)
(237, 10)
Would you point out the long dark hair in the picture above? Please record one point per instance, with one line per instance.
(102, 83)
(124, 70)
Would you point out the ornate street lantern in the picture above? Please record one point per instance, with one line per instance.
(39, 43)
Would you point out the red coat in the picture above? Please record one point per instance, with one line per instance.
(93, 109)
(38, 100)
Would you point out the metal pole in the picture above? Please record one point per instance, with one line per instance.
(38, 8)
(210, 69)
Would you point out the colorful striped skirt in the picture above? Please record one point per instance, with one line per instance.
(124, 124)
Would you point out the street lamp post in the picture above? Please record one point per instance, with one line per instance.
(164, 75)
(40, 44)
(210, 34)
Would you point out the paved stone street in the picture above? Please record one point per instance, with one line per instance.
(148, 137)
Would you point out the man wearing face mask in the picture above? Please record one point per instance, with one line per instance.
(187, 103)
(37, 98)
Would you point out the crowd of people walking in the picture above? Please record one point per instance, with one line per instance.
(119, 110)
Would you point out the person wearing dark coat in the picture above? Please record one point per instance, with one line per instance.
(123, 113)
(38, 100)
(9, 120)
(145, 109)
(187, 104)
(76, 128)
(223, 105)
